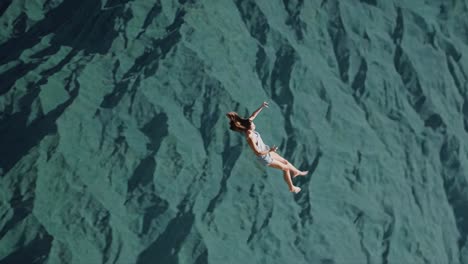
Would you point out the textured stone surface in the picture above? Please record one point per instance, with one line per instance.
(114, 147)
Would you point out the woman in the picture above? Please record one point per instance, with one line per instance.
(265, 154)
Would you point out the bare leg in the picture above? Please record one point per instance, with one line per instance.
(287, 179)
(294, 170)
(299, 173)
(286, 175)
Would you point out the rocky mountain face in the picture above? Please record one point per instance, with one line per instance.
(115, 148)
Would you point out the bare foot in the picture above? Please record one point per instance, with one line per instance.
(300, 173)
(295, 189)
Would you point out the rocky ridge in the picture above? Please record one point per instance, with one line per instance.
(115, 148)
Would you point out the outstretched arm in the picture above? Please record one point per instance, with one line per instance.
(254, 114)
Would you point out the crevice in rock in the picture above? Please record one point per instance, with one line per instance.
(339, 39)
(180, 233)
(156, 130)
(328, 115)
(147, 63)
(169, 243)
(20, 24)
(132, 93)
(465, 113)
(35, 252)
(142, 199)
(416, 198)
(304, 199)
(18, 137)
(229, 157)
(293, 8)
(182, 2)
(260, 213)
(141, 189)
(21, 209)
(85, 32)
(112, 99)
(4, 6)
(254, 19)
(455, 185)
(451, 51)
(211, 112)
(386, 243)
(281, 92)
(9, 77)
(358, 221)
(397, 34)
(261, 66)
(46, 52)
(369, 2)
(153, 212)
(177, 23)
(410, 79)
(355, 172)
(359, 83)
(452, 72)
(127, 15)
(49, 72)
(253, 228)
(267, 219)
(118, 253)
(67, 29)
(152, 14)
(143, 174)
(202, 258)
(109, 239)
(434, 121)
(326, 98)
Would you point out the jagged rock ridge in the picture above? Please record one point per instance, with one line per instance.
(115, 148)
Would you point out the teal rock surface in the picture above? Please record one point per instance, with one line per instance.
(115, 148)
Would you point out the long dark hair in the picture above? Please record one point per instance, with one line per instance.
(237, 123)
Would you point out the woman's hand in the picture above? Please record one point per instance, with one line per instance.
(265, 104)
(274, 148)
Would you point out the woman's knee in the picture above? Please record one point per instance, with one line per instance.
(277, 164)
